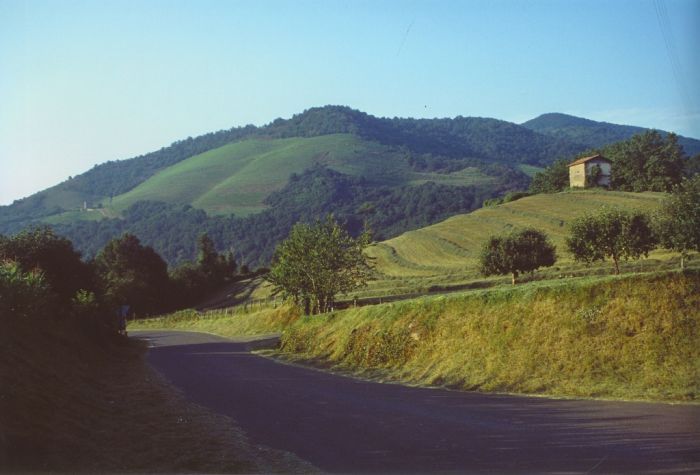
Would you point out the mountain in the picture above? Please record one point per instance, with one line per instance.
(594, 134)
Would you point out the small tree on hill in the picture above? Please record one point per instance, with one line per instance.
(552, 179)
(521, 251)
(678, 222)
(316, 262)
(611, 233)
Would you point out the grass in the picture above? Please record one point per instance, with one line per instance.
(237, 177)
(76, 215)
(624, 337)
(68, 405)
(239, 321)
(630, 338)
(530, 170)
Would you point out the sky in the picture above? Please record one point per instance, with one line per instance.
(84, 82)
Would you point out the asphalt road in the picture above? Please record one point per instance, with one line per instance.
(342, 424)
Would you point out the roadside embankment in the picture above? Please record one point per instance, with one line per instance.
(635, 337)
(628, 337)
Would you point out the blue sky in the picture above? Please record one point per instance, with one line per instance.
(83, 82)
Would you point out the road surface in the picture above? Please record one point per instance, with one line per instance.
(342, 424)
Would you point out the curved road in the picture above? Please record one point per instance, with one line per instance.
(341, 424)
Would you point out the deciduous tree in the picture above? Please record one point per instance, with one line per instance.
(611, 233)
(646, 162)
(134, 275)
(521, 251)
(678, 222)
(40, 248)
(317, 262)
(552, 179)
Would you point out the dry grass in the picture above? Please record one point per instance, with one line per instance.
(628, 337)
(226, 322)
(625, 337)
(67, 405)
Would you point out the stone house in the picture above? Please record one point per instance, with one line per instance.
(584, 171)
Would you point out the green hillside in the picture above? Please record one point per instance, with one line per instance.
(237, 177)
(452, 246)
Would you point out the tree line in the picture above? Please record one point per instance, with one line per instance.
(43, 275)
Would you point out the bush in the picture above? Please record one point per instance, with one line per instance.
(22, 294)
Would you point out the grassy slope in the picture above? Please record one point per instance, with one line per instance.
(624, 337)
(237, 177)
(453, 245)
(67, 404)
(444, 256)
(630, 337)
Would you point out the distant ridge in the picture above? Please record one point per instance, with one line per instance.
(594, 134)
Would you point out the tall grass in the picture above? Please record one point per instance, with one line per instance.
(235, 322)
(629, 337)
(634, 337)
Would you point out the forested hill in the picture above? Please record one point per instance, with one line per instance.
(474, 137)
(594, 134)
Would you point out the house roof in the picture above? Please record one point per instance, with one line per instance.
(587, 159)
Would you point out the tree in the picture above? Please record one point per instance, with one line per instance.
(134, 275)
(40, 248)
(22, 294)
(192, 281)
(316, 262)
(552, 179)
(593, 177)
(646, 162)
(216, 267)
(521, 251)
(611, 233)
(678, 222)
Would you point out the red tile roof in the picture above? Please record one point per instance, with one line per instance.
(586, 159)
